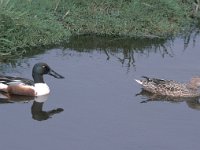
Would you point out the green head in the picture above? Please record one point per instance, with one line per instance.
(41, 69)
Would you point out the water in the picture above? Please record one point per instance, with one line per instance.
(95, 107)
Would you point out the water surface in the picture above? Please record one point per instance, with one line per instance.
(95, 107)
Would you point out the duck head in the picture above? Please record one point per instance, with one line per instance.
(41, 69)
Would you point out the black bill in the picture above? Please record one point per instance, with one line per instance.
(55, 74)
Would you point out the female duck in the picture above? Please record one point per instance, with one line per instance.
(171, 88)
(22, 86)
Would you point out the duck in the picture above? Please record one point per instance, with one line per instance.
(26, 87)
(171, 88)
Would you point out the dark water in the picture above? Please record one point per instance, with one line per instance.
(95, 107)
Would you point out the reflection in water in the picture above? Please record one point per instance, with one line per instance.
(7, 98)
(37, 107)
(191, 37)
(193, 102)
(38, 113)
(112, 46)
(121, 48)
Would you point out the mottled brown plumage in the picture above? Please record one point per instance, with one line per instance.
(171, 87)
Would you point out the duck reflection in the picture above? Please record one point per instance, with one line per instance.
(193, 102)
(37, 107)
(37, 111)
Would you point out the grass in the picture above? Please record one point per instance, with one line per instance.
(34, 23)
(22, 26)
(138, 18)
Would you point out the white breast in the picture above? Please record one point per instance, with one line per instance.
(41, 89)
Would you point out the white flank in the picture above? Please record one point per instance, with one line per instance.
(41, 89)
(138, 81)
(3, 87)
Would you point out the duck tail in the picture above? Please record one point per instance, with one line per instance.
(138, 81)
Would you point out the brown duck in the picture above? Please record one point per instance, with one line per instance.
(170, 87)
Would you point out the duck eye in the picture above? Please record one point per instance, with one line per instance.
(45, 68)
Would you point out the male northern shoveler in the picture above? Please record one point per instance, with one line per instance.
(22, 86)
(171, 88)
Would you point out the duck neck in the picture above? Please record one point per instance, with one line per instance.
(38, 78)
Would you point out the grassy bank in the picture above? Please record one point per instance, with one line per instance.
(34, 23)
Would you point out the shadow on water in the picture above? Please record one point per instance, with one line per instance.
(124, 49)
(37, 105)
(190, 37)
(110, 46)
(192, 102)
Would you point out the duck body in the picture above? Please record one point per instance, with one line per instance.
(38, 89)
(26, 87)
(170, 87)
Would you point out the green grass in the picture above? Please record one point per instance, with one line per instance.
(23, 26)
(34, 23)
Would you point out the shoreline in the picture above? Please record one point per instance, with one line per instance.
(34, 23)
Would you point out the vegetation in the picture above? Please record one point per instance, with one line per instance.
(34, 23)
